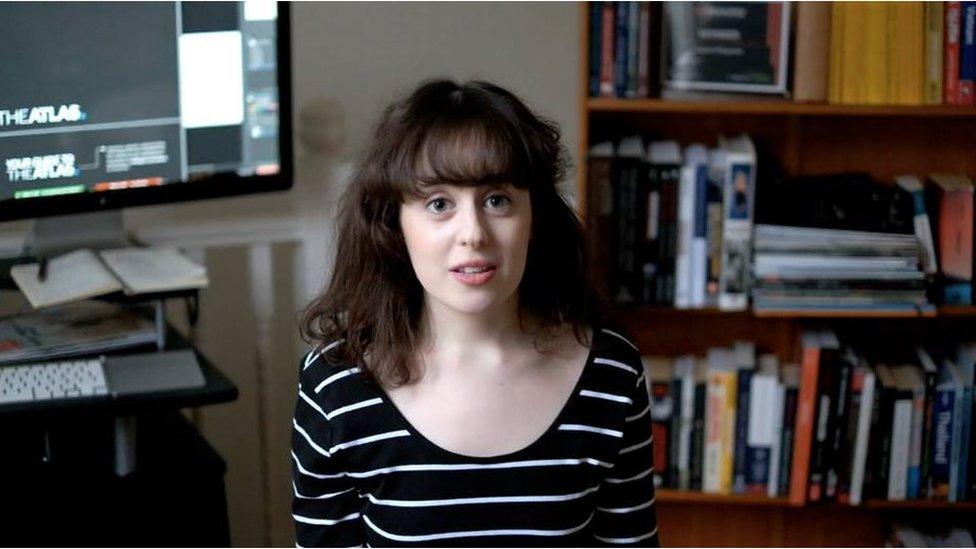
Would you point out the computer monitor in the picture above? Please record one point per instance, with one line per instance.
(105, 105)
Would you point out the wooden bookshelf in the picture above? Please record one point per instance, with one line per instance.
(792, 139)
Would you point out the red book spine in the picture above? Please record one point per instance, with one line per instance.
(806, 404)
(952, 90)
(606, 51)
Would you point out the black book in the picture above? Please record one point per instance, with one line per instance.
(847, 201)
(836, 458)
(825, 390)
(743, 383)
(931, 373)
(674, 433)
(786, 440)
(626, 175)
(698, 437)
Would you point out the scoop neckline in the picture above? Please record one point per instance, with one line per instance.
(415, 433)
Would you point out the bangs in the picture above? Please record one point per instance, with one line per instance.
(465, 151)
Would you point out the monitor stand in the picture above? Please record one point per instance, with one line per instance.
(52, 236)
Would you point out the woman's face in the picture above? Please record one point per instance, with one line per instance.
(454, 225)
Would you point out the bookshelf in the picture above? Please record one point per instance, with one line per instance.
(793, 139)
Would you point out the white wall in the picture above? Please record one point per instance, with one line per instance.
(350, 60)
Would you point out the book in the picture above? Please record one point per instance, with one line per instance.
(951, 51)
(664, 159)
(684, 372)
(70, 277)
(739, 192)
(863, 383)
(923, 226)
(660, 371)
(72, 329)
(811, 52)
(719, 422)
(934, 20)
(812, 343)
(627, 215)
(697, 454)
(764, 407)
(967, 52)
(955, 206)
(84, 273)
(744, 362)
(791, 384)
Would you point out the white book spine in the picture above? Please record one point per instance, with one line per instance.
(901, 428)
(737, 231)
(861, 441)
(686, 212)
(711, 481)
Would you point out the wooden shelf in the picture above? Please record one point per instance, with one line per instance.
(770, 107)
(666, 495)
(671, 312)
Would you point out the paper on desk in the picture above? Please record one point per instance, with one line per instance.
(70, 277)
(146, 270)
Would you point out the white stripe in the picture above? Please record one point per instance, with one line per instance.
(326, 522)
(590, 429)
(323, 496)
(371, 438)
(624, 339)
(304, 471)
(627, 540)
(616, 364)
(335, 377)
(636, 446)
(480, 467)
(476, 533)
(318, 448)
(311, 403)
(313, 355)
(351, 407)
(473, 501)
(641, 413)
(626, 509)
(605, 396)
(635, 477)
(639, 381)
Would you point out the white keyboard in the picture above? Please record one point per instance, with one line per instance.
(52, 380)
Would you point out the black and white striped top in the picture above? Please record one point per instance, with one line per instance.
(364, 476)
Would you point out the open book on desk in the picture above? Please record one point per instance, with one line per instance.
(83, 274)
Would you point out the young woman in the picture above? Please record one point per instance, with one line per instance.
(464, 388)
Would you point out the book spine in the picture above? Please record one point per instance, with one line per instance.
(607, 27)
(711, 469)
(835, 70)
(811, 55)
(934, 18)
(633, 48)
(699, 242)
(901, 425)
(595, 41)
(621, 20)
(913, 484)
(950, 75)
(967, 52)
(682, 268)
(669, 232)
(674, 434)
(651, 268)
(696, 458)
(660, 423)
(743, 389)
(805, 416)
(966, 409)
(787, 441)
(867, 408)
(686, 431)
(822, 428)
(728, 432)
(849, 445)
(740, 181)
(714, 240)
(836, 456)
(644, 51)
(925, 466)
(942, 441)
(777, 407)
(886, 421)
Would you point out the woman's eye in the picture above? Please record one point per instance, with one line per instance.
(504, 200)
(435, 201)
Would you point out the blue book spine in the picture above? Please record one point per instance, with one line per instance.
(701, 201)
(596, 26)
(620, 49)
(942, 439)
(965, 432)
(960, 293)
(954, 452)
(967, 42)
(744, 381)
(633, 37)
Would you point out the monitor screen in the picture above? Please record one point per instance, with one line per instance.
(107, 104)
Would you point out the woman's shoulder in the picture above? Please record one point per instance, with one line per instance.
(323, 373)
(614, 348)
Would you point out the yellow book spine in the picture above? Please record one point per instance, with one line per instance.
(835, 69)
(853, 54)
(875, 54)
(906, 52)
(934, 19)
(726, 468)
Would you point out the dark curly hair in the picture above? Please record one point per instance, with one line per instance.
(467, 134)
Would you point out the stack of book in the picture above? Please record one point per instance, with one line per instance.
(850, 422)
(808, 268)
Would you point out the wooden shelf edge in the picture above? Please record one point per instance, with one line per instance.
(761, 106)
(940, 312)
(667, 495)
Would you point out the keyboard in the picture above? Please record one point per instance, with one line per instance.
(68, 379)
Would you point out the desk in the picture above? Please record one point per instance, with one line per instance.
(175, 496)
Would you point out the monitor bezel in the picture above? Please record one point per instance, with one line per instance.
(212, 186)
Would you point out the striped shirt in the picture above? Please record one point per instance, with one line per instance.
(362, 474)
